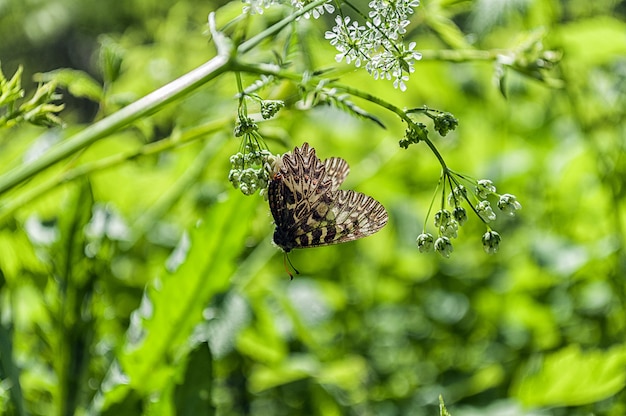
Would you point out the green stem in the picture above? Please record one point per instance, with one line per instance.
(23, 198)
(142, 107)
(146, 105)
(174, 193)
(277, 27)
(401, 113)
(273, 70)
(464, 55)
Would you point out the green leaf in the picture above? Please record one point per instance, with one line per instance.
(111, 58)
(298, 367)
(78, 83)
(11, 90)
(571, 377)
(173, 305)
(76, 275)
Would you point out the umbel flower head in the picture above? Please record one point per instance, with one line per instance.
(378, 45)
(251, 167)
(448, 222)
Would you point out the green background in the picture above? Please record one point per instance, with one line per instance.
(150, 285)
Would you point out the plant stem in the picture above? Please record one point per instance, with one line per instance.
(401, 113)
(464, 55)
(142, 107)
(146, 105)
(273, 70)
(24, 197)
(277, 27)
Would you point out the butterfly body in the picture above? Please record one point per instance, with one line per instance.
(308, 208)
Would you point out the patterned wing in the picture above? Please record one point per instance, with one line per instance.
(347, 216)
(308, 209)
(292, 190)
(301, 180)
(337, 170)
(303, 172)
(278, 194)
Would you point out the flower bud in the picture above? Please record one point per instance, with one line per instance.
(443, 246)
(508, 204)
(484, 210)
(484, 188)
(491, 242)
(425, 242)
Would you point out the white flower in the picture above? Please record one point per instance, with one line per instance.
(450, 229)
(345, 37)
(484, 210)
(509, 204)
(491, 242)
(443, 246)
(442, 217)
(460, 215)
(378, 44)
(425, 242)
(484, 188)
(257, 6)
(316, 12)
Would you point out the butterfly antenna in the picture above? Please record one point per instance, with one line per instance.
(285, 260)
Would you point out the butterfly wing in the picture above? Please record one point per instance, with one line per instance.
(303, 173)
(278, 195)
(308, 209)
(345, 216)
(337, 170)
(300, 183)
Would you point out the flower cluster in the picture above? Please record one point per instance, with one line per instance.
(448, 222)
(258, 6)
(379, 44)
(444, 123)
(269, 108)
(251, 168)
(414, 133)
(245, 126)
(316, 12)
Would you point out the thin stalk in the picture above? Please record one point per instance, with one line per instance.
(103, 128)
(277, 27)
(401, 113)
(461, 55)
(146, 105)
(273, 70)
(174, 193)
(24, 197)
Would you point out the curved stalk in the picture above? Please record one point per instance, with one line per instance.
(150, 103)
(144, 106)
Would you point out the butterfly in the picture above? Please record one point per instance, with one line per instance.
(308, 208)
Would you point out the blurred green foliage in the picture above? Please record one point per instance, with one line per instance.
(135, 280)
